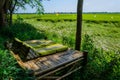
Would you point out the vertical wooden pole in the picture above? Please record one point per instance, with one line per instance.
(85, 54)
(79, 25)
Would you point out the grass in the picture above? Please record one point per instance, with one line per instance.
(100, 37)
(106, 35)
(102, 65)
(10, 70)
(70, 17)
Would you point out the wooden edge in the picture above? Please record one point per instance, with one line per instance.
(64, 63)
(51, 77)
(18, 59)
(62, 67)
(67, 74)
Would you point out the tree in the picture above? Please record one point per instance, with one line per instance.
(79, 25)
(3, 11)
(7, 8)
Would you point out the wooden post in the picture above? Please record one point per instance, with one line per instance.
(79, 25)
(85, 54)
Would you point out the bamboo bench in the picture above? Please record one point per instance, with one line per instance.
(47, 66)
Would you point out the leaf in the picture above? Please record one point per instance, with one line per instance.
(5, 72)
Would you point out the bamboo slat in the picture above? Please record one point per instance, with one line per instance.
(43, 66)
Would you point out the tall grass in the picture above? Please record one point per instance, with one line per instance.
(70, 17)
(10, 70)
(102, 64)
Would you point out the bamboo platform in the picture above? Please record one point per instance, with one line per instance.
(45, 67)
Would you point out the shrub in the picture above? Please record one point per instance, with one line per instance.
(10, 70)
(102, 65)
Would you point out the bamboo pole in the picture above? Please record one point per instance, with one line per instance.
(79, 25)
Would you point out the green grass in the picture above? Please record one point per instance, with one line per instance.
(92, 17)
(102, 17)
(100, 37)
(106, 35)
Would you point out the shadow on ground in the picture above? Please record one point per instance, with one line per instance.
(21, 30)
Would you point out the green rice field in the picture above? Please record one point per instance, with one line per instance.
(104, 27)
(95, 16)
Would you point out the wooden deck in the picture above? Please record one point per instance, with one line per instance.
(43, 66)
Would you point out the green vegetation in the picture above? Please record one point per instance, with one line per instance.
(60, 17)
(100, 38)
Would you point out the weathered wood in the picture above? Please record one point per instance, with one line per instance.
(79, 25)
(85, 55)
(51, 77)
(62, 67)
(57, 65)
(69, 73)
(43, 66)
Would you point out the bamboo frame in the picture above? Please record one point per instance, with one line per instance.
(47, 74)
(60, 68)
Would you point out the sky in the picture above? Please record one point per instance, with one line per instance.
(71, 6)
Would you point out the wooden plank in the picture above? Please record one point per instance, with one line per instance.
(62, 67)
(33, 53)
(62, 59)
(41, 65)
(69, 55)
(48, 63)
(51, 77)
(55, 66)
(30, 56)
(33, 66)
(27, 66)
(76, 55)
(42, 59)
(38, 64)
(56, 59)
(54, 62)
(67, 74)
(51, 63)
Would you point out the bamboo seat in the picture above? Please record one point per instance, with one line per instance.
(46, 66)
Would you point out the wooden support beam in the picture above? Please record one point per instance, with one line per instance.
(51, 77)
(69, 73)
(79, 25)
(38, 72)
(85, 54)
(42, 76)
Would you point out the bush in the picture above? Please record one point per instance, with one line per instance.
(10, 70)
(7, 65)
(102, 65)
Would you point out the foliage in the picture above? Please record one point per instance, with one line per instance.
(102, 65)
(7, 8)
(91, 18)
(106, 37)
(9, 69)
(33, 4)
(101, 40)
(102, 45)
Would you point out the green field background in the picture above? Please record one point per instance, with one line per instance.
(100, 37)
(57, 16)
(104, 27)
